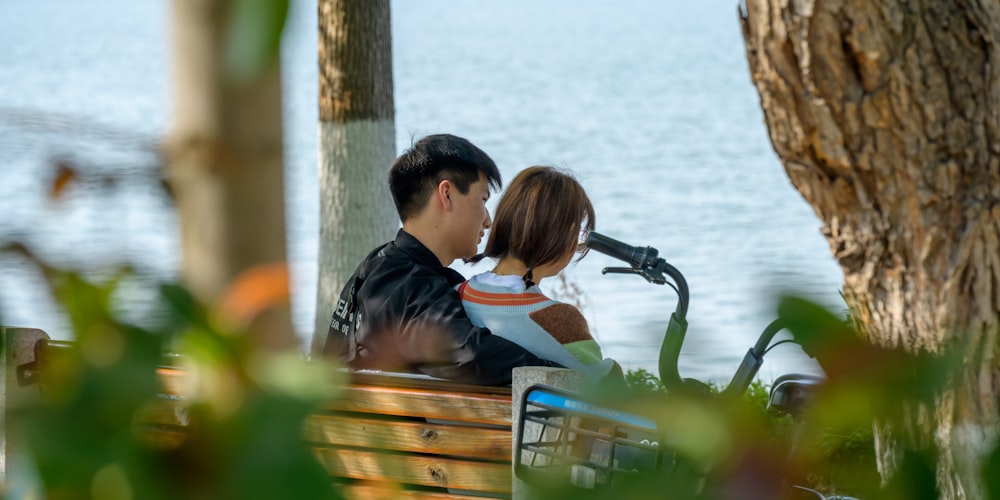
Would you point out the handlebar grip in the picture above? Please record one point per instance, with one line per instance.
(636, 257)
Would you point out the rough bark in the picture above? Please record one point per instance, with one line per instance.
(356, 143)
(224, 164)
(886, 117)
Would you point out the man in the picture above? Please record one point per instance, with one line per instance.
(400, 311)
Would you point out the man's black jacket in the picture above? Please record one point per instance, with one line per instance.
(400, 311)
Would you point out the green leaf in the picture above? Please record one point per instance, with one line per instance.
(991, 474)
(915, 478)
(253, 37)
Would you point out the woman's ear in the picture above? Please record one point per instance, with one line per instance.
(443, 194)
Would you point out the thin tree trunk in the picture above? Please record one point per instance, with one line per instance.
(225, 164)
(356, 143)
(886, 117)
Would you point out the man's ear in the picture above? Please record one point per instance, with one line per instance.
(443, 194)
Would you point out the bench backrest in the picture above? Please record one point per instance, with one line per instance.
(382, 436)
(417, 432)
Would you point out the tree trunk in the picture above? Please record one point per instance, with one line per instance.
(356, 144)
(886, 117)
(225, 164)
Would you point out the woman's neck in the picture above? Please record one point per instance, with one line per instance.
(510, 266)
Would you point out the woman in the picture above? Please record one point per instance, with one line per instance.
(539, 224)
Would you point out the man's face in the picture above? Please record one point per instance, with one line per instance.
(470, 219)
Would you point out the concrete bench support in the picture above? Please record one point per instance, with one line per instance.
(19, 383)
(524, 378)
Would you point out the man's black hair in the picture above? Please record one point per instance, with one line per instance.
(419, 170)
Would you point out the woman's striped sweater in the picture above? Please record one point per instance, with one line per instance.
(547, 328)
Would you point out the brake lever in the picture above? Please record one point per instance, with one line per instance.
(653, 275)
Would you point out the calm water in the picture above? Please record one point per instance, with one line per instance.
(648, 102)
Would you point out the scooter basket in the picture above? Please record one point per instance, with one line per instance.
(563, 439)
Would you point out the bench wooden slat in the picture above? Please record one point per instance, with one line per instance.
(492, 406)
(414, 381)
(374, 491)
(173, 380)
(419, 470)
(419, 437)
(163, 438)
(484, 409)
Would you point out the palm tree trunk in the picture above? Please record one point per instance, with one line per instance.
(356, 143)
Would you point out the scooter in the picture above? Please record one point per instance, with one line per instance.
(567, 438)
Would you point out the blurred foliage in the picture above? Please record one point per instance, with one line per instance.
(739, 450)
(253, 36)
(87, 438)
(246, 407)
(847, 458)
(88, 433)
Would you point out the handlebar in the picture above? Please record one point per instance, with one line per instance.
(645, 261)
(642, 261)
(634, 256)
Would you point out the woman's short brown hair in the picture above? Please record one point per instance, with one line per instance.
(540, 217)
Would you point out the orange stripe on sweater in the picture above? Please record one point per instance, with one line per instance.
(510, 299)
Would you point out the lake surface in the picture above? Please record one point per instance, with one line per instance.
(649, 103)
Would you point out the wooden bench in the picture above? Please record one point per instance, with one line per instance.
(387, 435)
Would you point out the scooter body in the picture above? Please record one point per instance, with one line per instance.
(565, 438)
